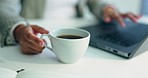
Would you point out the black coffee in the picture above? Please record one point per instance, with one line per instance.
(70, 37)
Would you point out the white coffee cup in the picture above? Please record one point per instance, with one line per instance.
(68, 50)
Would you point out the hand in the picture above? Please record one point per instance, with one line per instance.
(29, 42)
(110, 13)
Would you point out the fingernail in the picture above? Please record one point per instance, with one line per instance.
(107, 20)
(46, 31)
(41, 43)
(139, 16)
(135, 20)
(123, 24)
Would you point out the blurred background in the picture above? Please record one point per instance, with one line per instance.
(65, 8)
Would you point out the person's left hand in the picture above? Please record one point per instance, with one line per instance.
(110, 13)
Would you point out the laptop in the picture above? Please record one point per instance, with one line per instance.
(126, 42)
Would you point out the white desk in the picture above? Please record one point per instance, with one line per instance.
(95, 63)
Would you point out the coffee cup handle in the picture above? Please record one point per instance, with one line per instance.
(46, 44)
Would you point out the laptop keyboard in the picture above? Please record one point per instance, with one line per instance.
(125, 38)
(118, 39)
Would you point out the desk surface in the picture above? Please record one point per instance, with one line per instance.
(94, 64)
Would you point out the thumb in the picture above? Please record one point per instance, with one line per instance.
(38, 29)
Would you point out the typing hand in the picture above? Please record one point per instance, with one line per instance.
(110, 13)
(29, 42)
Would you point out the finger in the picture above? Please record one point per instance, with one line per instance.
(106, 18)
(115, 15)
(31, 45)
(36, 46)
(136, 16)
(31, 37)
(29, 51)
(38, 29)
(33, 41)
(120, 20)
(35, 51)
(133, 17)
(26, 50)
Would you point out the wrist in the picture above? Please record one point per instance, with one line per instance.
(18, 32)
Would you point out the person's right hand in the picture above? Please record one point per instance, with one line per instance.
(29, 42)
(110, 13)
